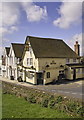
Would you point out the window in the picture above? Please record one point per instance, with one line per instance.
(67, 60)
(74, 60)
(48, 75)
(29, 75)
(27, 61)
(31, 61)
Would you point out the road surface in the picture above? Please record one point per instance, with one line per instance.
(71, 89)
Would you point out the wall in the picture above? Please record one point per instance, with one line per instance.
(27, 68)
(35, 61)
(12, 61)
(54, 67)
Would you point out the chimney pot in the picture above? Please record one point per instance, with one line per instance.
(76, 42)
(77, 48)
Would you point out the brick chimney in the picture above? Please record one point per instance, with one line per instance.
(77, 48)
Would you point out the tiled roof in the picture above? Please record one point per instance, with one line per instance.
(47, 48)
(7, 50)
(18, 49)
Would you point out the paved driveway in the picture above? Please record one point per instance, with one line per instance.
(71, 89)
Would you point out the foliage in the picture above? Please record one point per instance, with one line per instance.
(44, 102)
(32, 99)
(51, 103)
(59, 99)
(72, 106)
(80, 110)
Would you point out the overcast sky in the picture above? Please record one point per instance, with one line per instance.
(42, 19)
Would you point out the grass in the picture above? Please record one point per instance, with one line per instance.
(14, 107)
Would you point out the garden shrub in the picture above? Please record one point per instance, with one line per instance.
(80, 111)
(72, 106)
(51, 103)
(57, 106)
(59, 99)
(31, 99)
(51, 97)
(44, 102)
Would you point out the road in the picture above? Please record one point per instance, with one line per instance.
(74, 90)
(70, 89)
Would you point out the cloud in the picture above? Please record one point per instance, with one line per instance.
(70, 13)
(79, 38)
(10, 13)
(5, 40)
(7, 30)
(1, 50)
(34, 13)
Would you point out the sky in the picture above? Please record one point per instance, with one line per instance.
(60, 20)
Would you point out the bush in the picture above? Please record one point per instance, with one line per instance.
(72, 106)
(51, 97)
(59, 99)
(44, 103)
(80, 111)
(31, 99)
(51, 103)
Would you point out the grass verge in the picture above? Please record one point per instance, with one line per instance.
(17, 107)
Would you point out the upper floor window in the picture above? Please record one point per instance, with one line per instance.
(48, 75)
(67, 60)
(29, 61)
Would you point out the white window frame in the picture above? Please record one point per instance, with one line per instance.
(29, 62)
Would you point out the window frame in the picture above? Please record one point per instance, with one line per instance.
(48, 75)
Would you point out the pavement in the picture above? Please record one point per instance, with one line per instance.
(73, 89)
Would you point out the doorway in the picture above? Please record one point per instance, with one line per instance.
(39, 78)
(74, 74)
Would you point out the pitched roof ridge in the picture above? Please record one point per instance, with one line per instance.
(7, 47)
(45, 38)
(18, 43)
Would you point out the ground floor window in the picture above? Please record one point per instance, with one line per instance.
(29, 74)
(48, 74)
